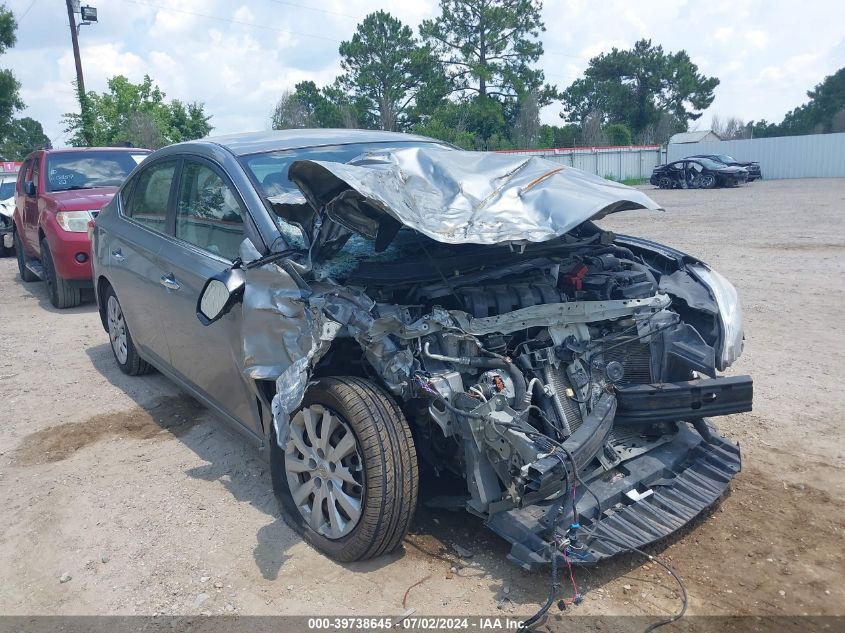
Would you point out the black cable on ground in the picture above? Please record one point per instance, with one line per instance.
(627, 548)
(526, 626)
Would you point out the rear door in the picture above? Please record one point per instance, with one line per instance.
(133, 244)
(207, 233)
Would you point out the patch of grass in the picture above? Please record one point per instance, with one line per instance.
(627, 181)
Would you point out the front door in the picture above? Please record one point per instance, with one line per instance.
(208, 231)
(30, 205)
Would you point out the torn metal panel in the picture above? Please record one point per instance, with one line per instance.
(455, 197)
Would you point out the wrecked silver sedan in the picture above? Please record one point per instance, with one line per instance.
(361, 303)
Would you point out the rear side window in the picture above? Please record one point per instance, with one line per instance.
(147, 202)
(208, 212)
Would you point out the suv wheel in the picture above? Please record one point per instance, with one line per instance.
(25, 273)
(62, 294)
(347, 476)
(122, 346)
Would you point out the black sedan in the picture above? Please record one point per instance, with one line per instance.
(699, 173)
(753, 167)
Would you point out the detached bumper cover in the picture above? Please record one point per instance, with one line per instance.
(674, 482)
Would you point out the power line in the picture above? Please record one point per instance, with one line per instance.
(326, 11)
(23, 15)
(231, 21)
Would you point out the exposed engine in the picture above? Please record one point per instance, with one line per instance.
(528, 349)
(511, 350)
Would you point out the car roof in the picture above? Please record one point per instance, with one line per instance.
(279, 140)
(64, 150)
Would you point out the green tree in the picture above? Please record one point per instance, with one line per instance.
(477, 123)
(24, 136)
(636, 86)
(526, 130)
(188, 121)
(558, 135)
(617, 134)
(387, 68)
(290, 113)
(822, 113)
(488, 47)
(133, 113)
(332, 106)
(10, 100)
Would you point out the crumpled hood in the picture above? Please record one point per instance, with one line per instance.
(452, 197)
(7, 206)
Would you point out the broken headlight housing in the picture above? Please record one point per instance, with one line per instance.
(730, 314)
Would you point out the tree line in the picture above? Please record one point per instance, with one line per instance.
(824, 113)
(469, 76)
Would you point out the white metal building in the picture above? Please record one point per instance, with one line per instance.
(700, 136)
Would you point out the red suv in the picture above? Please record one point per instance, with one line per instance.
(57, 193)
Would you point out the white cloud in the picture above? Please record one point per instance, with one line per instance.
(178, 16)
(757, 39)
(724, 33)
(239, 70)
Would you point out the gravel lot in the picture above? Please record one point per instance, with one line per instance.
(149, 505)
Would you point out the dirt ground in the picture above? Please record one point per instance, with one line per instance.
(152, 507)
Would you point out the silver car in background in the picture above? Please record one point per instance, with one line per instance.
(355, 301)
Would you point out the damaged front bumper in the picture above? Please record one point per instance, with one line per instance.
(643, 500)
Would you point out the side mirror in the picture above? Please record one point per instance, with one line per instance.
(219, 294)
(29, 188)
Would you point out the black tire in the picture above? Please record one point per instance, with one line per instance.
(707, 181)
(388, 464)
(62, 294)
(133, 364)
(664, 183)
(25, 273)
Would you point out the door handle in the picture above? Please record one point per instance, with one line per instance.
(169, 282)
(118, 255)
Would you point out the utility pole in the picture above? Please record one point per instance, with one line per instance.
(80, 82)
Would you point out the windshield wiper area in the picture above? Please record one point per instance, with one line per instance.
(76, 188)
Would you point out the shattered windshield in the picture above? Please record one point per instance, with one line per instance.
(269, 171)
(67, 171)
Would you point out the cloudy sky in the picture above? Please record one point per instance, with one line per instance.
(238, 56)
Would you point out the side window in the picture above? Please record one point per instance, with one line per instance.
(36, 170)
(208, 213)
(147, 203)
(23, 175)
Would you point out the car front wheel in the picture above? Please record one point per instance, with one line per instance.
(346, 477)
(62, 293)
